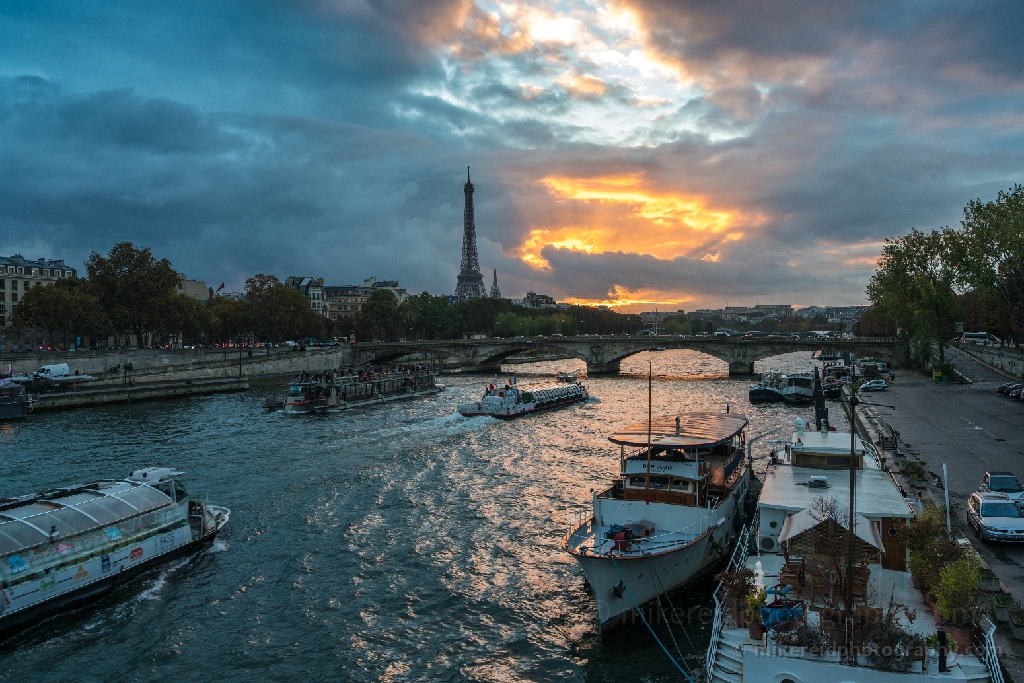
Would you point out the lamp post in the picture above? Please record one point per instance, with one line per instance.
(853, 508)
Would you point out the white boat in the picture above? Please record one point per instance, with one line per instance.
(661, 526)
(513, 399)
(63, 548)
(797, 550)
(798, 388)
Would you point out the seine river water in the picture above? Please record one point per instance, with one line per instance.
(400, 542)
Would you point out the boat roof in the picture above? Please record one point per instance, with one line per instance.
(27, 522)
(683, 430)
(785, 487)
(826, 443)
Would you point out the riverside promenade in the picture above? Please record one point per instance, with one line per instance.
(973, 430)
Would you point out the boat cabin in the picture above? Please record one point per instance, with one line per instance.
(695, 458)
(825, 450)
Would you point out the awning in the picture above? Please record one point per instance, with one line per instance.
(805, 521)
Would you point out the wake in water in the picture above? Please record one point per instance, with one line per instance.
(153, 592)
(219, 546)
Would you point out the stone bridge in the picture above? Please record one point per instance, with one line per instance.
(604, 354)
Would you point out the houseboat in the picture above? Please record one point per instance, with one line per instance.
(768, 390)
(670, 516)
(63, 548)
(798, 388)
(322, 392)
(15, 402)
(798, 554)
(514, 400)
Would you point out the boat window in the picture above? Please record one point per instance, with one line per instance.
(1000, 510)
(295, 390)
(659, 482)
(637, 482)
(144, 498)
(681, 485)
(1004, 484)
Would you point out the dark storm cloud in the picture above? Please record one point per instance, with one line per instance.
(331, 137)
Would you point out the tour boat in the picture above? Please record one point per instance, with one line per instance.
(799, 554)
(514, 400)
(325, 391)
(65, 547)
(798, 388)
(670, 516)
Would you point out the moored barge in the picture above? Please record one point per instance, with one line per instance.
(322, 392)
(66, 547)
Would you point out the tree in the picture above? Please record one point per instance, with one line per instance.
(378, 317)
(989, 252)
(229, 318)
(186, 317)
(913, 287)
(65, 305)
(132, 286)
(430, 317)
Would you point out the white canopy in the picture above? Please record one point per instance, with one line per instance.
(804, 521)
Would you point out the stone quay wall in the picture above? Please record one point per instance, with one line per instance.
(152, 365)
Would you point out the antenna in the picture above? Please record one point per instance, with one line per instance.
(647, 485)
(467, 174)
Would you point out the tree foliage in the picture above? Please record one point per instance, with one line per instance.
(379, 317)
(988, 253)
(914, 287)
(133, 287)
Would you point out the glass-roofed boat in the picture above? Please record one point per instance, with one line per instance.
(62, 548)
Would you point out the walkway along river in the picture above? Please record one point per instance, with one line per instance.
(399, 542)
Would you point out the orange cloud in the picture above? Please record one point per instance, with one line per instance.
(624, 213)
(636, 299)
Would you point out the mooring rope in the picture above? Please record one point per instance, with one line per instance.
(649, 628)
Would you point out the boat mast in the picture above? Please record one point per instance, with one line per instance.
(647, 485)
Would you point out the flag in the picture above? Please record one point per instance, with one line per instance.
(221, 287)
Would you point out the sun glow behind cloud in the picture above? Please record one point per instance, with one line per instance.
(624, 213)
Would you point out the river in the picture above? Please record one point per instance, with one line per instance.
(399, 542)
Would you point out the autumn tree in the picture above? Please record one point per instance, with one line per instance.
(379, 316)
(132, 286)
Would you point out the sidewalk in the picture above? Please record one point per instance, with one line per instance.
(971, 429)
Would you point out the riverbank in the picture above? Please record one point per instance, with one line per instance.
(140, 392)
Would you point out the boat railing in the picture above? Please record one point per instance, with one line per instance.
(985, 647)
(647, 544)
(739, 557)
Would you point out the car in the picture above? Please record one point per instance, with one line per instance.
(1015, 391)
(874, 385)
(1006, 483)
(1004, 388)
(995, 517)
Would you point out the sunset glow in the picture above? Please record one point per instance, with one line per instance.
(631, 216)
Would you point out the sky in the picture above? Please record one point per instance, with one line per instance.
(665, 154)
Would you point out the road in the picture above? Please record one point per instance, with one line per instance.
(971, 429)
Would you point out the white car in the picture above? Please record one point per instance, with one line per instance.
(874, 385)
(995, 517)
(1005, 483)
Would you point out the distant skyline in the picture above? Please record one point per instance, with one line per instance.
(660, 154)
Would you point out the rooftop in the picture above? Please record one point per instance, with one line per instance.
(785, 487)
(683, 430)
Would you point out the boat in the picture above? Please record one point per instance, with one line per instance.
(798, 388)
(15, 402)
(671, 515)
(513, 400)
(321, 392)
(65, 547)
(769, 389)
(566, 378)
(798, 554)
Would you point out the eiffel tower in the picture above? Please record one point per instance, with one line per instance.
(471, 280)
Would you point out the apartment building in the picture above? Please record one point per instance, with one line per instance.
(17, 276)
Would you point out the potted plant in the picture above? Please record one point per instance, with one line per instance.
(915, 473)
(988, 581)
(756, 599)
(1016, 622)
(956, 596)
(1002, 606)
(736, 586)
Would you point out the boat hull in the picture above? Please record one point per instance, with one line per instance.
(647, 578)
(15, 621)
(760, 394)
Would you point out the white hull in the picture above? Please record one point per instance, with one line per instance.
(662, 566)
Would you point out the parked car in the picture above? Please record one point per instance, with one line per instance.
(1006, 483)
(1004, 388)
(995, 517)
(874, 385)
(1015, 391)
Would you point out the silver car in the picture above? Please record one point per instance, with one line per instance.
(1002, 482)
(995, 517)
